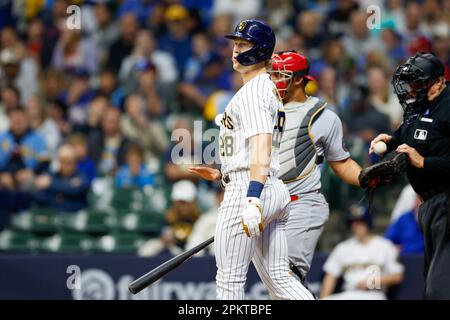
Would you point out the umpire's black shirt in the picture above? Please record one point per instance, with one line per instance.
(429, 134)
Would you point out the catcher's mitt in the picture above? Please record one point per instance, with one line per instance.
(384, 171)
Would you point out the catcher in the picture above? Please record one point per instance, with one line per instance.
(424, 139)
(312, 133)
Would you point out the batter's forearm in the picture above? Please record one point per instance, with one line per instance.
(260, 149)
(347, 170)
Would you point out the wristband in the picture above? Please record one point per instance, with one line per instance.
(254, 189)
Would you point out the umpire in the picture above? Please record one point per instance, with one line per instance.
(424, 136)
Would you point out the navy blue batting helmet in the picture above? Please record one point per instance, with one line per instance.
(258, 33)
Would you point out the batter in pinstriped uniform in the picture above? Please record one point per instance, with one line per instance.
(311, 132)
(254, 212)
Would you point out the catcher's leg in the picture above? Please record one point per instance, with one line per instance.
(306, 222)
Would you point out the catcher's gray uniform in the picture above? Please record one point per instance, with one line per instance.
(307, 122)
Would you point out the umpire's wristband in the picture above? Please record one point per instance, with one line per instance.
(254, 189)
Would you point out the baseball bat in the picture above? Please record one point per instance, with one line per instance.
(147, 279)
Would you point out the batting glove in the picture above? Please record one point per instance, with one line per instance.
(252, 217)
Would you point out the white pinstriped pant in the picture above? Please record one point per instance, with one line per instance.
(234, 250)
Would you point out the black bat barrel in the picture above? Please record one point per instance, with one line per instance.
(147, 279)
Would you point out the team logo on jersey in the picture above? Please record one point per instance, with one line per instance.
(242, 25)
(420, 134)
(227, 122)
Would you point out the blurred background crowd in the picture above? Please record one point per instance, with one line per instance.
(87, 115)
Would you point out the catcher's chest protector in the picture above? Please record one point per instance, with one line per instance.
(297, 153)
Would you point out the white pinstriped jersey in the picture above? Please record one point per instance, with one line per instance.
(252, 111)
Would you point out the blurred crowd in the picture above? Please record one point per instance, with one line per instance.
(101, 101)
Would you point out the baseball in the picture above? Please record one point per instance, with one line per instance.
(380, 147)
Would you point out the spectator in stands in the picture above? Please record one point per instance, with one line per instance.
(333, 55)
(361, 118)
(123, 46)
(359, 40)
(9, 39)
(137, 126)
(204, 74)
(393, 47)
(23, 152)
(366, 262)
(238, 10)
(142, 9)
(35, 40)
(328, 87)
(134, 174)
(85, 165)
(145, 49)
(177, 41)
(106, 32)
(58, 112)
(441, 47)
(107, 146)
(40, 42)
(405, 232)
(147, 88)
(338, 18)
(396, 12)
(77, 98)
(180, 218)
(205, 226)
(19, 72)
(9, 99)
(183, 152)
(73, 51)
(220, 26)
(54, 84)
(109, 88)
(95, 112)
(42, 124)
(406, 202)
(414, 24)
(219, 99)
(381, 97)
(67, 189)
(309, 26)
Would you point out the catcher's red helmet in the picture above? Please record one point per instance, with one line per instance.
(288, 64)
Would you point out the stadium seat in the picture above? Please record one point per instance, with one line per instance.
(99, 222)
(14, 241)
(73, 222)
(21, 221)
(44, 221)
(124, 243)
(143, 222)
(125, 200)
(68, 243)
